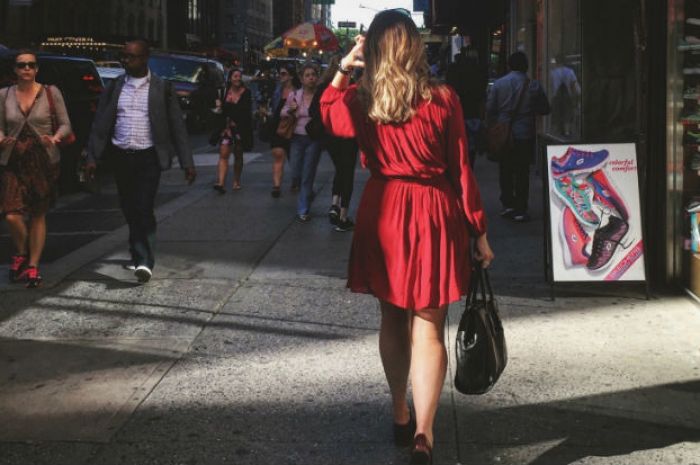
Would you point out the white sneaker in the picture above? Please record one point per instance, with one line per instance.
(143, 273)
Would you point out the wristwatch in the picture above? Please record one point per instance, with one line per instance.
(344, 71)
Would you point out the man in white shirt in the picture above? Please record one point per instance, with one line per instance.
(139, 121)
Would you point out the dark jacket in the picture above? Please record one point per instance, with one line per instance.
(167, 126)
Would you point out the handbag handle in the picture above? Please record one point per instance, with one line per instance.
(480, 284)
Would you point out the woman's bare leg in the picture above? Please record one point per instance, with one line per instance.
(222, 169)
(237, 165)
(18, 232)
(37, 238)
(428, 366)
(395, 351)
(278, 156)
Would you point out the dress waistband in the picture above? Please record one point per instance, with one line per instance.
(433, 181)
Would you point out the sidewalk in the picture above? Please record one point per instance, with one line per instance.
(246, 348)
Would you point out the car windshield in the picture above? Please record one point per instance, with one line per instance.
(175, 69)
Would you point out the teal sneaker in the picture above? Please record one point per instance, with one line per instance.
(577, 195)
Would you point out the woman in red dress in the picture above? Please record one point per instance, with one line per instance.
(418, 211)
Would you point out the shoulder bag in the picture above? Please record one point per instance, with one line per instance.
(480, 344)
(499, 136)
(67, 139)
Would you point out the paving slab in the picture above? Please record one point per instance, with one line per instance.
(82, 390)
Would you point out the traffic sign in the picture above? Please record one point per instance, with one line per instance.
(347, 24)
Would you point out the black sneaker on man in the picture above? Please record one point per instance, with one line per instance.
(507, 212)
(303, 218)
(344, 225)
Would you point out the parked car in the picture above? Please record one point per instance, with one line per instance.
(81, 86)
(197, 82)
(109, 64)
(109, 74)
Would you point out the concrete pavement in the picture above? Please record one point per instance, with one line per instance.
(246, 348)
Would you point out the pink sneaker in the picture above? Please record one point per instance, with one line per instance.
(575, 240)
(605, 194)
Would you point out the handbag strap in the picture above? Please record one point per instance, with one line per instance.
(52, 109)
(480, 284)
(521, 97)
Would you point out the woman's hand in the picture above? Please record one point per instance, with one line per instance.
(7, 141)
(354, 59)
(50, 141)
(293, 105)
(482, 251)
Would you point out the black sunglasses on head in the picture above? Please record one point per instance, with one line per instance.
(25, 64)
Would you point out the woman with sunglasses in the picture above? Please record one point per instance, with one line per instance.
(419, 208)
(29, 157)
(288, 84)
(237, 135)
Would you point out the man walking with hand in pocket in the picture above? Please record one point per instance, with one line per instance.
(139, 122)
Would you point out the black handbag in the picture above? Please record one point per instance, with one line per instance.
(481, 344)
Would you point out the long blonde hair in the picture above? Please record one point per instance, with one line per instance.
(396, 76)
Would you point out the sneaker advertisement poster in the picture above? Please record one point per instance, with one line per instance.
(595, 219)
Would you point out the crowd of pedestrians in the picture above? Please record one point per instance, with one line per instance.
(420, 225)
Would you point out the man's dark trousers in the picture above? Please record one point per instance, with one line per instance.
(514, 175)
(137, 174)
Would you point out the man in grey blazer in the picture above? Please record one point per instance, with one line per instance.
(138, 121)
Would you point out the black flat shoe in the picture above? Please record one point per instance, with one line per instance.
(422, 453)
(276, 192)
(403, 434)
(220, 189)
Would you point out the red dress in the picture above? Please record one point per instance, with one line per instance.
(411, 241)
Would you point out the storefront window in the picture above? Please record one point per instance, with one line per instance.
(564, 69)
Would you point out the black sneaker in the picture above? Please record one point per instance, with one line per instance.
(334, 214)
(303, 218)
(344, 225)
(507, 212)
(605, 242)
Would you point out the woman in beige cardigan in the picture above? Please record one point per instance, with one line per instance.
(29, 160)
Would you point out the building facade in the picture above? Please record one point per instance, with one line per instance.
(114, 21)
(286, 14)
(634, 61)
(246, 26)
(167, 24)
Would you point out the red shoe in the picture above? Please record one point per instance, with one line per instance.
(18, 263)
(33, 277)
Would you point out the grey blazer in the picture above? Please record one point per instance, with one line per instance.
(167, 126)
(12, 120)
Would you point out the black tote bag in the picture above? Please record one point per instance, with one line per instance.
(481, 344)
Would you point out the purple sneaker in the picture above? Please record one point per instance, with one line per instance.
(577, 161)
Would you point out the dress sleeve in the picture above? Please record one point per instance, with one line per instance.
(335, 111)
(459, 171)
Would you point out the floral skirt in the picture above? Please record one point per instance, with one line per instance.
(28, 184)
